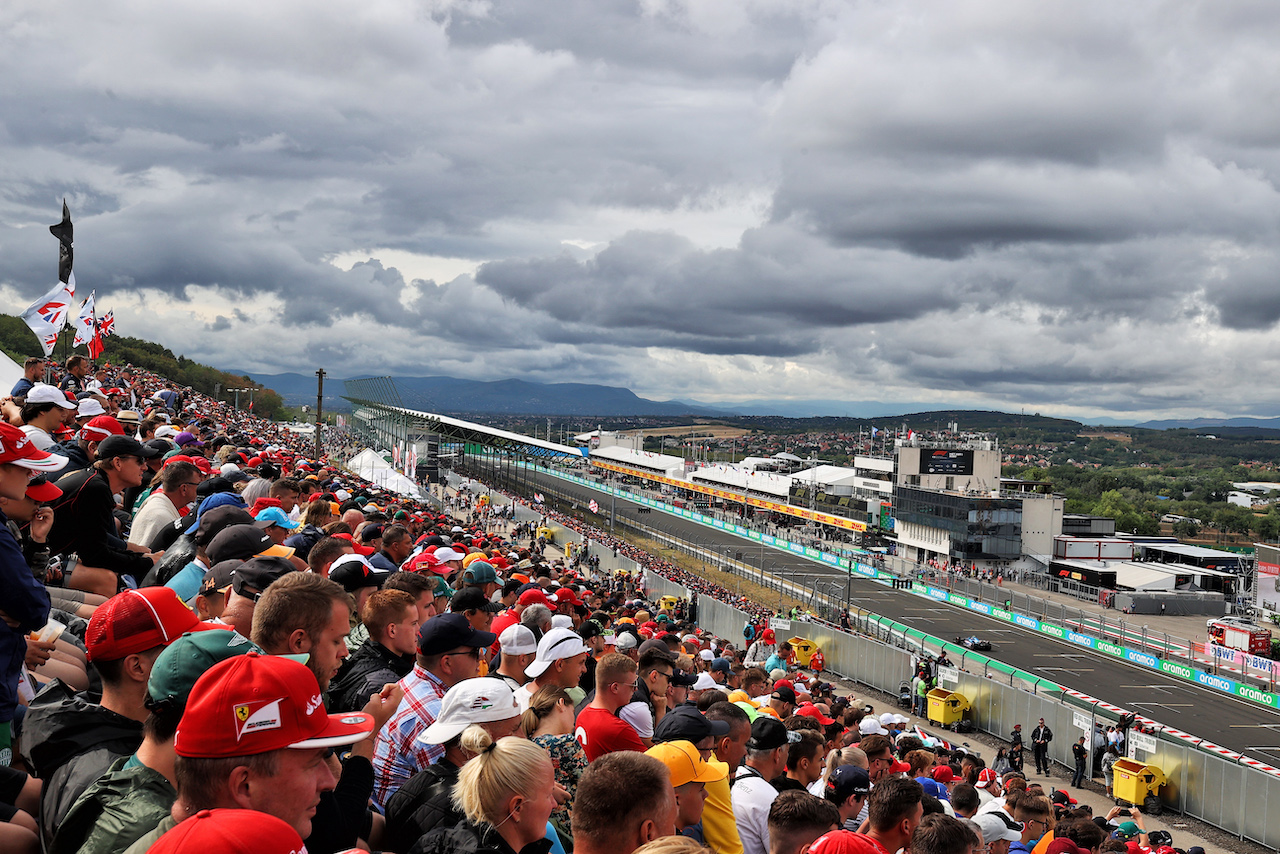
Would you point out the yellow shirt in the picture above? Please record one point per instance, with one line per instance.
(718, 825)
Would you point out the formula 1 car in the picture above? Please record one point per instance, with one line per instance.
(974, 642)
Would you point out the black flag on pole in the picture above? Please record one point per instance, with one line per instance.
(62, 231)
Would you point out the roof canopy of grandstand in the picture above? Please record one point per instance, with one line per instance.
(752, 481)
(378, 395)
(1195, 556)
(825, 475)
(661, 464)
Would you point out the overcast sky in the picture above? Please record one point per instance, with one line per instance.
(1068, 207)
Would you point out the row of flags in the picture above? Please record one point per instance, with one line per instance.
(50, 314)
(406, 462)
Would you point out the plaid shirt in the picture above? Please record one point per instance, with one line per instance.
(397, 753)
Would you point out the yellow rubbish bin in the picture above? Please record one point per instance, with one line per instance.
(803, 650)
(668, 603)
(946, 707)
(547, 534)
(1134, 782)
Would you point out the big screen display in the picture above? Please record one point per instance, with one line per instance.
(939, 461)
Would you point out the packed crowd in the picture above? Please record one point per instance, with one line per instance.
(215, 642)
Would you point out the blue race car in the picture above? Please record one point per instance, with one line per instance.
(975, 643)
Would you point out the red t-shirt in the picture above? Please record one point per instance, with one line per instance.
(503, 621)
(600, 732)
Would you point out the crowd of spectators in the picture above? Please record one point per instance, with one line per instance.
(214, 640)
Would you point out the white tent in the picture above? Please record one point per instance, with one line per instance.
(373, 468)
(10, 373)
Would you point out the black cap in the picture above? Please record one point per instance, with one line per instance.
(219, 578)
(785, 694)
(213, 486)
(680, 679)
(769, 734)
(124, 446)
(686, 723)
(472, 599)
(258, 574)
(656, 645)
(590, 629)
(354, 573)
(162, 446)
(446, 632)
(847, 780)
(216, 519)
(370, 532)
(238, 542)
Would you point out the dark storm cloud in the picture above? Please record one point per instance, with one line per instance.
(1056, 202)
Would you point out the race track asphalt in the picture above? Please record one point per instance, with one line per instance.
(1233, 724)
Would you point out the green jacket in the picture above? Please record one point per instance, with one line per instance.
(122, 806)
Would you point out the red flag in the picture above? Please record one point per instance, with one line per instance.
(95, 344)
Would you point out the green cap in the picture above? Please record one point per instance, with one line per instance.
(186, 659)
(443, 588)
(752, 711)
(1127, 829)
(480, 572)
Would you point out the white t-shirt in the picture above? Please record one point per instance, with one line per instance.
(752, 796)
(39, 438)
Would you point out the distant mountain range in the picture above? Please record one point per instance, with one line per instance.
(510, 397)
(521, 397)
(1201, 423)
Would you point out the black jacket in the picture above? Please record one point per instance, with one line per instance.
(69, 742)
(83, 522)
(370, 667)
(421, 805)
(468, 838)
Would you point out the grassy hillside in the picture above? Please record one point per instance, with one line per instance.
(18, 342)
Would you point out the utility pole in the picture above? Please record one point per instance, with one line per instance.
(319, 405)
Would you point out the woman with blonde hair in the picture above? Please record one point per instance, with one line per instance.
(506, 791)
(548, 723)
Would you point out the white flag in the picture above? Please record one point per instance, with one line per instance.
(85, 322)
(48, 315)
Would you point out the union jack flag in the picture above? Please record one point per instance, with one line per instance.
(107, 325)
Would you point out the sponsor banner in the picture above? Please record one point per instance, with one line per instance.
(795, 547)
(1143, 658)
(1242, 659)
(1257, 695)
(741, 531)
(1027, 622)
(1109, 648)
(1179, 670)
(1054, 631)
(935, 593)
(957, 599)
(1221, 683)
(754, 535)
(980, 607)
(813, 553)
(830, 559)
(769, 539)
(1142, 741)
(1002, 614)
(863, 569)
(718, 524)
(1082, 640)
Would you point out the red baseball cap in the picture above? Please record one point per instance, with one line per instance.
(986, 777)
(100, 427)
(566, 595)
(363, 551)
(534, 597)
(253, 704)
(843, 842)
(137, 620)
(228, 831)
(899, 768)
(943, 774)
(16, 448)
(42, 490)
(809, 710)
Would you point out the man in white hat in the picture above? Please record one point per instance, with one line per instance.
(561, 660)
(518, 646)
